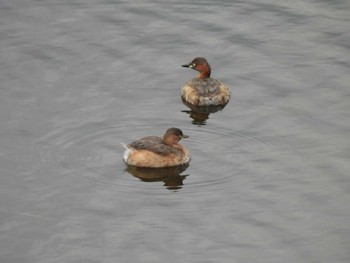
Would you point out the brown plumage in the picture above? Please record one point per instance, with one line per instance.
(204, 90)
(153, 151)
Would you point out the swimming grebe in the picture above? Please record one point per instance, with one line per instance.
(156, 152)
(204, 90)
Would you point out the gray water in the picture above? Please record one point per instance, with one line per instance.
(269, 177)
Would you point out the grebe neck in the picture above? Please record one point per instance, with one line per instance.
(204, 72)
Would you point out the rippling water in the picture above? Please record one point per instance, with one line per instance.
(269, 175)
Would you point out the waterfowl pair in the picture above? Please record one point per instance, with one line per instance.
(156, 152)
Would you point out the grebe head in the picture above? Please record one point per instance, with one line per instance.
(201, 65)
(172, 136)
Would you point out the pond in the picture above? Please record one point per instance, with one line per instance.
(269, 176)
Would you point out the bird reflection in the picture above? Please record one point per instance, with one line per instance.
(199, 114)
(169, 175)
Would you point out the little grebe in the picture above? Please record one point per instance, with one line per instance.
(204, 90)
(156, 152)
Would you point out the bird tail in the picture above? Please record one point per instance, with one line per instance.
(126, 152)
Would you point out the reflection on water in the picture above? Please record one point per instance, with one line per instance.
(200, 114)
(269, 175)
(171, 176)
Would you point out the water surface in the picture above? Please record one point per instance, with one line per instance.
(269, 176)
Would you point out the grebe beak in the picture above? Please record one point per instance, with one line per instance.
(188, 66)
(184, 136)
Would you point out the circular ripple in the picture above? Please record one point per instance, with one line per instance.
(221, 158)
(94, 151)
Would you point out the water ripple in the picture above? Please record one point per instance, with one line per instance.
(224, 158)
(221, 158)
